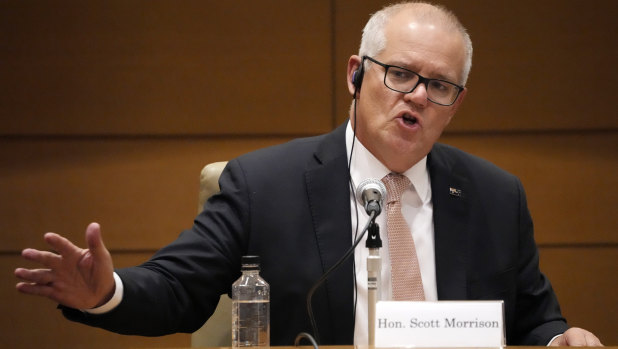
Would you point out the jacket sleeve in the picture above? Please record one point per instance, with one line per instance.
(537, 313)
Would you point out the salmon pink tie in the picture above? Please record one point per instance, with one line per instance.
(405, 272)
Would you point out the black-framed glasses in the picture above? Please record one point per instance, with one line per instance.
(403, 80)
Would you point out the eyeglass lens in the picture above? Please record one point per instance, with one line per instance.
(406, 81)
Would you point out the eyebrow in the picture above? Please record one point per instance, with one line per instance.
(438, 76)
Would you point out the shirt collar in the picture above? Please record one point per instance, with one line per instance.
(365, 165)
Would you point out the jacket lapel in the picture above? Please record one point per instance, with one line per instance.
(329, 198)
(451, 195)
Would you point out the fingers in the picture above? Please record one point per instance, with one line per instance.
(67, 253)
(579, 337)
(37, 276)
(35, 289)
(47, 259)
(97, 253)
(37, 282)
(592, 340)
(93, 238)
(61, 244)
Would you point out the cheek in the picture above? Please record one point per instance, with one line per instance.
(438, 123)
(381, 107)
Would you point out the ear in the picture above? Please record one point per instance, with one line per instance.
(457, 104)
(354, 64)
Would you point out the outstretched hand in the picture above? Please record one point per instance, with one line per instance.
(74, 277)
(576, 337)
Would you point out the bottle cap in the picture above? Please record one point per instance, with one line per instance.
(250, 262)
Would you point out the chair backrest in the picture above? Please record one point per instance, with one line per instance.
(217, 331)
(209, 182)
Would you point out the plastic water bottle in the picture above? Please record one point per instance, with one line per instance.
(250, 307)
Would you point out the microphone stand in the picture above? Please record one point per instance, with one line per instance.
(374, 269)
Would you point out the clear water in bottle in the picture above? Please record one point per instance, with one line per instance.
(250, 327)
(250, 307)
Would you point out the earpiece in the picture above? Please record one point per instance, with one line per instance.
(357, 77)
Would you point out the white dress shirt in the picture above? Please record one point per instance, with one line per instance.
(417, 209)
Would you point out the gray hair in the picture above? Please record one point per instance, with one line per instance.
(374, 40)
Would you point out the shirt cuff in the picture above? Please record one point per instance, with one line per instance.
(113, 302)
(556, 336)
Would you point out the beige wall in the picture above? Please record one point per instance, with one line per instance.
(109, 109)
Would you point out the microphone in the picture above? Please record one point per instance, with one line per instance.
(371, 192)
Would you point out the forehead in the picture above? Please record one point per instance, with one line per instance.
(428, 46)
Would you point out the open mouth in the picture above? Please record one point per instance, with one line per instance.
(409, 119)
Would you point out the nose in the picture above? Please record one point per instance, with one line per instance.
(418, 96)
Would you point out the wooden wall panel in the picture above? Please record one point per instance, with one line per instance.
(536, 65)
(143, 192)
(33, 322)
(585, 281)
(162, 67)
(570, 180)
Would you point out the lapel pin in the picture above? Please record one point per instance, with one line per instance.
(454, 192)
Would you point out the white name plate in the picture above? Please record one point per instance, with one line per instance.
(440, 324)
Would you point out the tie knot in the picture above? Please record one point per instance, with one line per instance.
(395, 185)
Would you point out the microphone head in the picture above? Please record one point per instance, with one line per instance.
(370, 192)
(371, 184)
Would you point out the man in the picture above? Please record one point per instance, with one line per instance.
(292, 205)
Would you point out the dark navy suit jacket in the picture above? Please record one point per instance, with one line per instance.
(290, 204)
